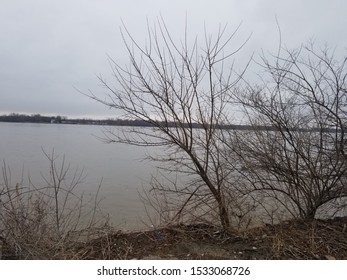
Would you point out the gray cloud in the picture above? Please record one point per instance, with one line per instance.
(49, 47)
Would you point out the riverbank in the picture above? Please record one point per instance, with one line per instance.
(288, 240)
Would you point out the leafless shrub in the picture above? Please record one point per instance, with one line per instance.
(36, 221)
(294, 152)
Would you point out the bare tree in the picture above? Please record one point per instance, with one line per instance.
(182, 91)
(296, 152)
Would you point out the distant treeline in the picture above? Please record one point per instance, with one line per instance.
(37, 118)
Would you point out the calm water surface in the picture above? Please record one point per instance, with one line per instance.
(121, 167)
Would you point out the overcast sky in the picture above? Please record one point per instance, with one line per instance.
(50, 47)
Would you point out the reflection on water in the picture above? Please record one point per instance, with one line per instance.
(120, 167)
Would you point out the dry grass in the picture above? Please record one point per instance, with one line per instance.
(37, 222)
(317, 239)
(288, 240)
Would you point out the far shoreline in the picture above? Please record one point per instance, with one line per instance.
(43, 119)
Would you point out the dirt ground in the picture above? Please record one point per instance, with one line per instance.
(300, 240)
(288, 240)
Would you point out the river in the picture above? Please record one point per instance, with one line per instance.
(121, 167)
